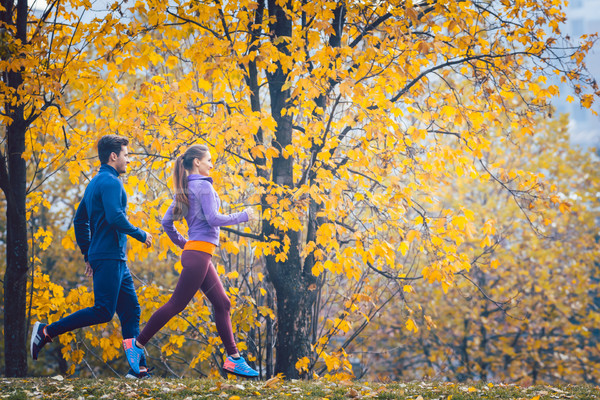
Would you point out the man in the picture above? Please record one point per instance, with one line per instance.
(101, 227)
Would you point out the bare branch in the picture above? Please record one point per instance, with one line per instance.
(242, 234)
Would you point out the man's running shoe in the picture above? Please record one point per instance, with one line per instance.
(39, 338)
(133, 353)
(144, 373)
(239, 367)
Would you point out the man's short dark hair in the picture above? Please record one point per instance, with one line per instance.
(110, 144)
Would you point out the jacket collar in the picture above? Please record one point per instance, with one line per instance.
(198, 177)
(109, 169)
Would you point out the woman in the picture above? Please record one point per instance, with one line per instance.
(198, 202)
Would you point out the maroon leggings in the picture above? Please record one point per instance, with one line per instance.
(198, 273)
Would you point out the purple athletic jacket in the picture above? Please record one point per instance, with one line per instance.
(203, 217)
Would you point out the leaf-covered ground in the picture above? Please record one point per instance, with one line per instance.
(191, 389)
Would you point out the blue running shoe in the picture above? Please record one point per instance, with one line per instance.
(133, 353)
(39, 338)
(145, 373)
(239, 367)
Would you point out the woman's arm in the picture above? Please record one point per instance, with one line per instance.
(168, 224)
(210, 208)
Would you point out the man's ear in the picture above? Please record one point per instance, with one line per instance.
(113, 156)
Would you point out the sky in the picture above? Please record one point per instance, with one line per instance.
(583, 17)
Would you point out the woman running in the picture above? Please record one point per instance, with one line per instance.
(197, 201)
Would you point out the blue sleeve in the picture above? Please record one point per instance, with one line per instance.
(169, 227)
(81, 224)
(115, 211)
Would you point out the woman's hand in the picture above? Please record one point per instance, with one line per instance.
(252, 215)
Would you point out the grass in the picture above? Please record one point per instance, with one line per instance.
(195, 389)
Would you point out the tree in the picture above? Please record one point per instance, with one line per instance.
(13, 181)
(538, 326)
(337, 115)
(43, 53)
(333, 117)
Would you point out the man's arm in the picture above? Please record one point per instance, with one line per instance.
(81, 223)
(115, 212)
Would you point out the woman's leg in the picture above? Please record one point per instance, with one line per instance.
(214, 291)
(195, 266)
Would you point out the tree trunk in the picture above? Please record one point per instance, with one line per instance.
(15, 278)
(13, 180)
(294, 321)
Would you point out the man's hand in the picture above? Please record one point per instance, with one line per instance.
(252, 215)
(148, 241)
(88, 270)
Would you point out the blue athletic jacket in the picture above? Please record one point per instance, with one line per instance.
(101, 224)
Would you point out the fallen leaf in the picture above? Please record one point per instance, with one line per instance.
(224, 386)
(58, 378)
(272, 382)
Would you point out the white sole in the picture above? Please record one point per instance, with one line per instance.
(33, 334)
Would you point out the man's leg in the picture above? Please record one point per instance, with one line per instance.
(107, 281)
(128, 307)
(128, 310)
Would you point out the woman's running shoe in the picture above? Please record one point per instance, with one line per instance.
(239, 366)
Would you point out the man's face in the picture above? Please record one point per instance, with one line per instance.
(120, 163)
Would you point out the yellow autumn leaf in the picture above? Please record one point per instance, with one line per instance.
(404, 246)
(411, 326)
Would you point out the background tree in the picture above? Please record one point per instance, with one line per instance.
(343, 121)
(529, 317)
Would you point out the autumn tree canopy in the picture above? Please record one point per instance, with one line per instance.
(341, 121)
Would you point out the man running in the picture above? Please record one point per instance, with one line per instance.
(101, 227)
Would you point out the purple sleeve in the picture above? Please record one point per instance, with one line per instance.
(169, 227)
(210, 208)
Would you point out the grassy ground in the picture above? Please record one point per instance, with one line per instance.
(193, 389)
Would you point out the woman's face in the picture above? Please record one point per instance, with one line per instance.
(204, 165)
